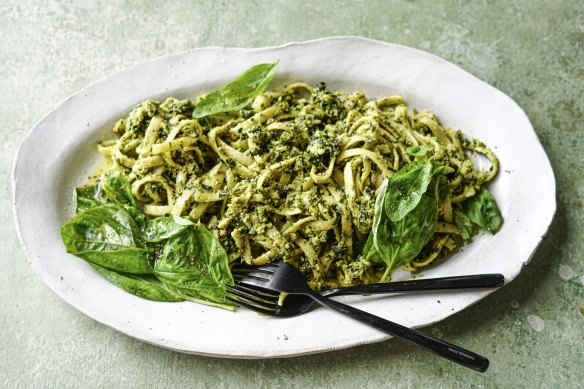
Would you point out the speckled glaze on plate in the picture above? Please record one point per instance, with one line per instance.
(59, 153)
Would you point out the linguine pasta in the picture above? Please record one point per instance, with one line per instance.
(293, 177)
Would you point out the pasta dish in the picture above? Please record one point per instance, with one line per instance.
(343, 187)
(294, 176)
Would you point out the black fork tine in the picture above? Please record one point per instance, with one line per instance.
(267, 268)
(252, 296)
(257, 291)
(256, 276)
(251, 270)
(251, 307)
(250, 301)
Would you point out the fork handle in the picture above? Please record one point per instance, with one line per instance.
(444, 349)
(442, 283)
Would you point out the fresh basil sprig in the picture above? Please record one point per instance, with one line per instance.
(397, 243)
(401, 230)
(165, 259)
(238, 93)
(406, 214)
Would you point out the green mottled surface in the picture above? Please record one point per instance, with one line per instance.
(533, 50)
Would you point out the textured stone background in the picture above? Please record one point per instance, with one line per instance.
(533, 50)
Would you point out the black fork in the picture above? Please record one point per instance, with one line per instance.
(282, 277)
(268, 302)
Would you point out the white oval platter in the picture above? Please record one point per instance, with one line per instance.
(60, 152)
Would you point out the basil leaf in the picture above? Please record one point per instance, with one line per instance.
(145, 286)
(112, 234)
(238, 93)
(164, 227)
(417, 151)
(409, 235)
(118, 190)
(396, 243)
(464, 224)
(482, 210)
(194, 262)
(107, 236)
(406, 187)
(87, 197)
